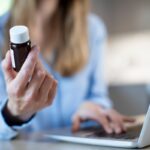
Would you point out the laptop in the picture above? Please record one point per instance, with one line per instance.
(137, 136)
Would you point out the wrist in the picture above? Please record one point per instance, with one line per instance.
(13, 111)
(13, 119)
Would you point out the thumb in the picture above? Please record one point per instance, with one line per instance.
(9, 73)
(76, 123)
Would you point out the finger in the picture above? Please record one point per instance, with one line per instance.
(120, 122)
(122, 125)
(128, 119)
(9, 73)
(103, 120)
(76, 123)
(37, 79)
(117, 128)
(117, 121)
(98, 117)
(52, 92)
(27, 69)
(45, 87)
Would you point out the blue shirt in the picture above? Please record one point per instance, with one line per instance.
(86, 85)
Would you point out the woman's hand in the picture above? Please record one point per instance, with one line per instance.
(30, 90)
(111, 120)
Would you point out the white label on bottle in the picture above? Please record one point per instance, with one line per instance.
(12, 58)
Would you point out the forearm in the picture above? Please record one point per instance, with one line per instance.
(103, 101)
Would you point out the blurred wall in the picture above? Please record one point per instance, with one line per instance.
(130, 99)
(123, 15)
(128, 51)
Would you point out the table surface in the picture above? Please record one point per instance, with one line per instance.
(36, 141)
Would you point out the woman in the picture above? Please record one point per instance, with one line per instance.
(71, 47)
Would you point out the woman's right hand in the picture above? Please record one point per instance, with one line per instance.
(29, 90)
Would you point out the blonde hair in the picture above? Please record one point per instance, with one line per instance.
(69, 24)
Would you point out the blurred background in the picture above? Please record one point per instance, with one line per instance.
(127, 62)
(128, 54)
(127, 58)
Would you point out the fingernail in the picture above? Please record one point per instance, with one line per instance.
(109, 131)
(118, 130)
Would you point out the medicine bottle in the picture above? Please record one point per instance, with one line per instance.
(20, 46)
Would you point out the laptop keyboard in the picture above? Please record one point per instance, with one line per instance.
(98, 132)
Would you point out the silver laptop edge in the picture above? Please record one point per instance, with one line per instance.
(142, 141)
(144, 138)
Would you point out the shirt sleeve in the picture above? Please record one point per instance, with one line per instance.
(7, 132)
(98, 92)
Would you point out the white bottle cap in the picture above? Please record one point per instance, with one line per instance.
(19, 34)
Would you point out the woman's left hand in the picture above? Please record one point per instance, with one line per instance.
(110, 119)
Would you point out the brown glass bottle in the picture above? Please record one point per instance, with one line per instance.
(20, 46)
